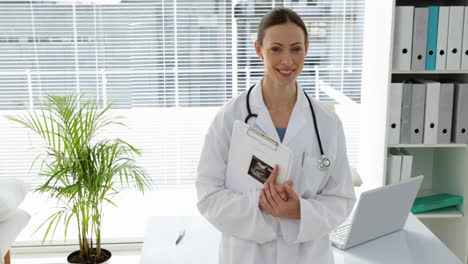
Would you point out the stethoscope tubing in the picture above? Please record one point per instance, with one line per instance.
(325, 162)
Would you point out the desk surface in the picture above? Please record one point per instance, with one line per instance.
(413, 244)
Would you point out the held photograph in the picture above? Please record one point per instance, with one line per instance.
(259, 170)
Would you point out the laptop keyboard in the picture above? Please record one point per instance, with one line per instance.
(341, 232)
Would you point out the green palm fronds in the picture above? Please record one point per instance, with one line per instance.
(80, 172)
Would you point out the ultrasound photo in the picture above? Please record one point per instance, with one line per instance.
(259, 169)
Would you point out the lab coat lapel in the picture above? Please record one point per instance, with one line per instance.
(265, 123)
(263, 120)
(297, 121)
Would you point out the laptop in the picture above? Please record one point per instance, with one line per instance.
(377, 213)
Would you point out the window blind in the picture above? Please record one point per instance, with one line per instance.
(167, 65)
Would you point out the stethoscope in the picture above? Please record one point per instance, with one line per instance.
(324, 163)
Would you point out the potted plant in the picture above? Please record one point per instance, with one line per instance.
(81, 171)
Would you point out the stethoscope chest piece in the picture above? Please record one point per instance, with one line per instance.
(324, 163)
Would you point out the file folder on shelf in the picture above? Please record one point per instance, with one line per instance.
(460, 114)
(418, 100)
(406, 165)
(431, 122)
(432, 202)
(444, 131)
(394, 160)
(432, 27)
(403, 38)
(454, 41)
(464, 51)
(442, 33)
(418, 58)
(406, 113)
(395, 113)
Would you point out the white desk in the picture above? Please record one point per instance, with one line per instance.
(414, 244)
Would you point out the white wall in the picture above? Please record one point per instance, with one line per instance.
(375, 82)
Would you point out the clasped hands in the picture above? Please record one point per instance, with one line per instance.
(279, 200)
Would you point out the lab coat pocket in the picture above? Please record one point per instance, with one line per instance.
(313, 178)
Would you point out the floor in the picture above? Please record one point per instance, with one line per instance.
(119, 257)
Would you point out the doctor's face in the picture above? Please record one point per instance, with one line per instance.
(283, 52)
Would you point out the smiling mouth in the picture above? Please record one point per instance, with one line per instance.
(286, 73)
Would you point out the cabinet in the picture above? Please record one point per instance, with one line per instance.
(445, 166)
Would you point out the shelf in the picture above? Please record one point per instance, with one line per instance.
(430, 72)
(448, 212)
(453, 145)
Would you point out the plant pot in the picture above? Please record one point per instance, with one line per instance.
(105, 257)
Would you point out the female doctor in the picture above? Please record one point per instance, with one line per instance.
(289, 222)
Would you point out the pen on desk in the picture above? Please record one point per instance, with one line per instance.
(179, 238)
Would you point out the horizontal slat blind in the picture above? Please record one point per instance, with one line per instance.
(167, 65)
(335, 51)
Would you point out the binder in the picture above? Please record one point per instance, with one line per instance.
(454, 40)
(252, 157)
(418, 100)
(418, 57)
(403, 38)
(442, 33)
(431, 115)
(406, 99)
(432, 27)
(432, 202)
(395, 113)
(406, 165)
(393, 166)
(445, 113)
(460, 114)
(464, 54)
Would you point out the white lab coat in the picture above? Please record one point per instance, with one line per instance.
(250, 235)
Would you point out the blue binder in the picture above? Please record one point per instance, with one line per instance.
(432, 26)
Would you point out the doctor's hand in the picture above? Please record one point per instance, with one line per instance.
(271, 202)
(279, 200)
(280, 188)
